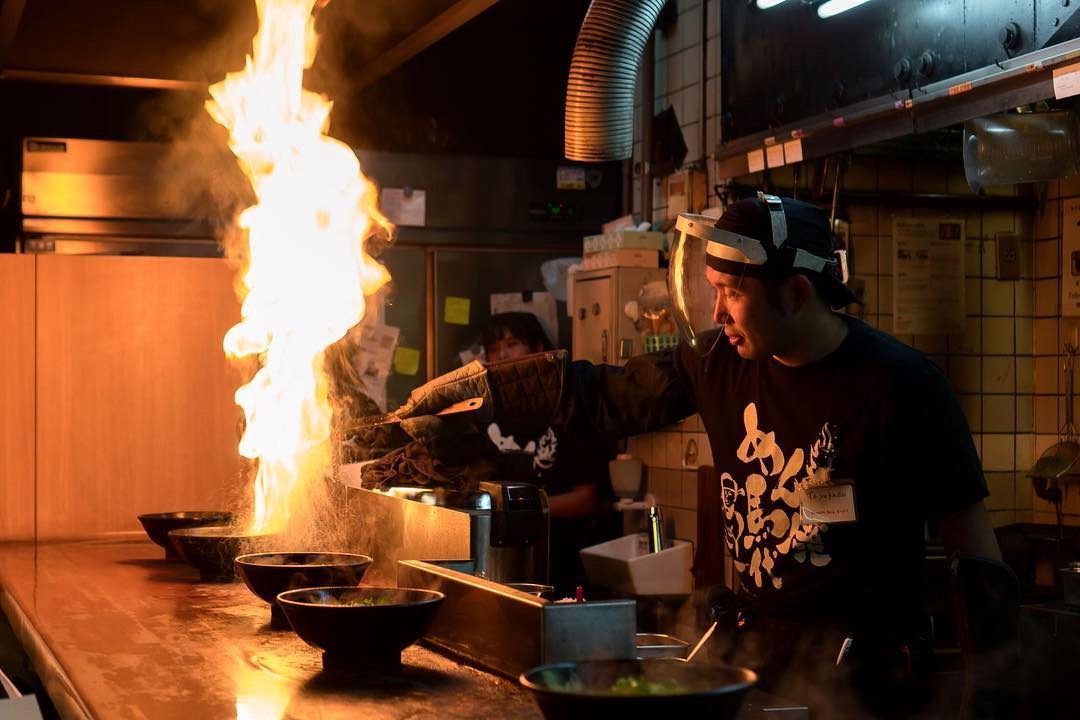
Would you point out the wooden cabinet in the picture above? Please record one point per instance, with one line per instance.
(16, 397)
(130, 395)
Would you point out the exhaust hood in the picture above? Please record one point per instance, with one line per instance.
(879, 71)
(795, 83)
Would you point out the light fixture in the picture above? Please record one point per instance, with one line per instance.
(766, 4)
(834, 7)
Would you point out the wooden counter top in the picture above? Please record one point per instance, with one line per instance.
(115, 631)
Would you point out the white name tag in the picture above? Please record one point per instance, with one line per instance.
(832, 503)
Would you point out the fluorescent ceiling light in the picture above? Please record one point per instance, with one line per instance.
(766, 4)
(835, 7)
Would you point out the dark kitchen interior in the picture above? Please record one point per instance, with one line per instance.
(454, 518)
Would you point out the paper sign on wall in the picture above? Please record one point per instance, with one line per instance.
(373, 358)
(1067, 81)
(793, 151)
(404, 206)
(928, 276)
(570, 177)
(456, 310)
(1070, 259)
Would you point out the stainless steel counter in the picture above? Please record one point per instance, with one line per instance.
(115, 631)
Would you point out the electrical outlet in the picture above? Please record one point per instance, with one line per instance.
(1007, 246)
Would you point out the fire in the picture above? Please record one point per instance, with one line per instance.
(307, 271)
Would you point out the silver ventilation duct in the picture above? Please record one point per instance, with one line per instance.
(603, 73)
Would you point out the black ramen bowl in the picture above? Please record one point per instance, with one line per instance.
(270, 574)
(158, 525)
(213, 548)
(360, 627)
(645, 689)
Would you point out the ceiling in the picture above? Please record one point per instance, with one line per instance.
(193, 41)
(443, 76)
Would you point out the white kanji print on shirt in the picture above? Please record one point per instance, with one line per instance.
(542, 450)
(762, 516)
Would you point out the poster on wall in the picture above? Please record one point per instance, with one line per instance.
(1070, 259)
(928, 276)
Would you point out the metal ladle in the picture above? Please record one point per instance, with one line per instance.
(1059, 458)
(706, 636)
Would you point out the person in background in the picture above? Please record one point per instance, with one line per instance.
(568, 463)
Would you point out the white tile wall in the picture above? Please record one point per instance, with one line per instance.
(1004, 366)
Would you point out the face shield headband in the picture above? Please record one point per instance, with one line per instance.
(699, 243)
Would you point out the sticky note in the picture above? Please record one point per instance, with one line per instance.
(755, 160)
(793, 151)
(406, 361)
(774, 155)
(456, 310)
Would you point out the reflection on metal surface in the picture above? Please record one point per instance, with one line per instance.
(98, 197)
(76, 178)
(115, 631)
(390, 528)
(506, 533)
(260, 694)
(510, 631)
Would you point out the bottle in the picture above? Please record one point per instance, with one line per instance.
(656, 530)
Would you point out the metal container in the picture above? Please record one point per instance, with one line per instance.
(654, 645)
(509, 631)
(501, 527)
(1070, 579)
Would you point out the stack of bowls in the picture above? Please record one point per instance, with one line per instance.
(272, 573)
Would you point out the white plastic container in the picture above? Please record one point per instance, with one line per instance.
(626, 566)
(625, 474)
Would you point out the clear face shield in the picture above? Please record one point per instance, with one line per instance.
(696, 305)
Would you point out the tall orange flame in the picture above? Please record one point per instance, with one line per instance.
(308, 272)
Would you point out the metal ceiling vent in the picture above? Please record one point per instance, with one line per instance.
(603, 73)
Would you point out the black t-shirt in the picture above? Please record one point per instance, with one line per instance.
(557, 460)
(898, 434)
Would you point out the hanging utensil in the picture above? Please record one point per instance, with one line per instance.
(706, 636)
(1058, 459)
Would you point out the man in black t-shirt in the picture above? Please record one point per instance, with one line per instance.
(834, 444)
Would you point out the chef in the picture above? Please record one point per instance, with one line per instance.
(834, 443)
